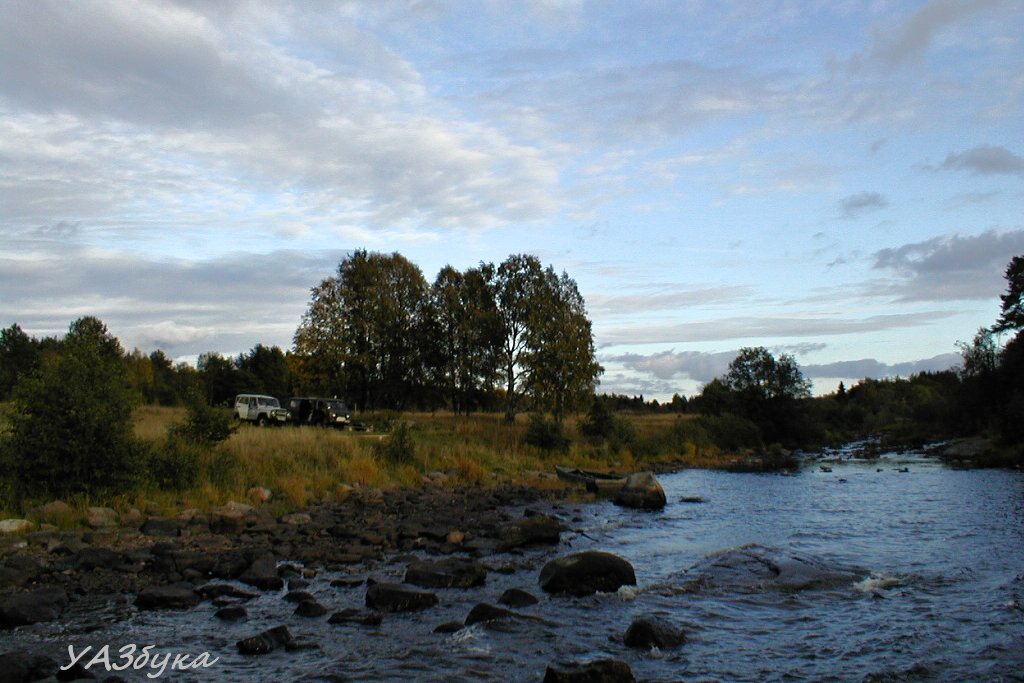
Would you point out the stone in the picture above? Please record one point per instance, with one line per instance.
(599, 671)
(348, 582)
(265, 642)
(92, 557)
(310, 608)
(296, 519)
(263, 575)
(535, 530)
(100, 518)
(23, 665)
(455, 537)
(175, 596)
(299, 596)
(212, 591)
(9, 527)
(31, 607)
(54, 511)
(132, 519)
(259, 494)
(585, 573)
(227, 520)
(483, 612)
(449, 573)
(756, 568)
(648, 632)
(161, 526)
(515, 597)
(643, 491)
(231, 613)
(392, 597)
(448, 627)
(351, 615)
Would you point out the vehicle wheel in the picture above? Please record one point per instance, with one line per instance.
(261, 421)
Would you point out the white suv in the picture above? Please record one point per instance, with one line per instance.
(262, 410)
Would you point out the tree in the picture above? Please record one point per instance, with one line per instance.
(269, 367)
(362, 335)
(19, 355)
(71, 428)
(756, 374)
(519, 287)
(1012, 315)
(981, 356)
(563, 369)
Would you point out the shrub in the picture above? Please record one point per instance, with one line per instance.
(71, 429)
(685, 432)
(731, 432)
(546, 435)
(174, 466)
(398, 448)
(204, 425)
(603, 423)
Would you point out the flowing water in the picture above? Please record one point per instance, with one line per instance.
(938, 592)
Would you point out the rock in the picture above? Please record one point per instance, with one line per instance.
(692, 499)
(392, 597)
(263, 575)
(310, 608)
(132, 519)
(161, 526)
(212, 591)
(299, 596)
(755, 567)
(100, 518)
(515, 597)
(351, 615)
(448, 627)
(455, 537)
(483, 612)
(296, 519)
(535, 530)
(231, 613)
(21, 609)
(259, 494)
(348, 582)
(22, 665)
(228, 520)
(16, 526)
(91, 557)
(188, 515)
(599, 671)
(176, 596)
(648, 632)
(296, 584)
(641, 491)
(265, 642)
(54, 511)
(449, 573)
(586, 572)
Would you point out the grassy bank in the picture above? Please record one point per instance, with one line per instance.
(301, 465)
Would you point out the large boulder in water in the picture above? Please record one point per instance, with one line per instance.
(647, 632)
(533, 530)
(599, 671)
(22, 609)
(756, 567)
(642, 491)
(587, 572)
(391, 597)
(454, 572)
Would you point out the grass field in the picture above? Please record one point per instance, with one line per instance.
(301, 465)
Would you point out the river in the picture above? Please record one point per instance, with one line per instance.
(939, 595)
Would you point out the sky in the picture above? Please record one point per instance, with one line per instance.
(842, 181)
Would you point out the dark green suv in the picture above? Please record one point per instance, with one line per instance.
(310, 410)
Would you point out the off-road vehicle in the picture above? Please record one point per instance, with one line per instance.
(261, 409)
(327, 412)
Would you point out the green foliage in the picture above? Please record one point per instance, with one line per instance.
(731, 432)
(398, 447)
(601, 422)
(71, 429)
(545, 434)
(757, 375)
(175, 464)
(19, 355)
(204, 425)
(692, 432)
(1012, 309)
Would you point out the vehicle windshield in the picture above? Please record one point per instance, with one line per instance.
(337, 406)
(269, 402)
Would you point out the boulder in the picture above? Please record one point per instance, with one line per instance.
(92, 557)
(175, 596)
(533, 530)
(296, 519)
(351, 615)
(212, 591)
(756, 567)
(514, 597)
(31, 607)
(259, 494)
(16, 526)
(23, 665)
(263, 575)
(586, 572)
(449, 573)
(448, 627)
(100, 518)
(483, 612)
(392, 597)
(228, 520)
(265, 642)
(310, 608)
(641, 491)
(231, 613)
(54, 511)
(648, 632)
(599, 671)
(161, 526)
(132, 519)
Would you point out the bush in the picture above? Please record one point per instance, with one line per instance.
(204, 425)
(731, 432)
(688, 432)
(603, 423)
(71, 429)
(546, 435)
(398, 448)
(175, 465)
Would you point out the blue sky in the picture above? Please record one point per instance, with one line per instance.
(843, 181)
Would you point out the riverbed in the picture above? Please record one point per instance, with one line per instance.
(938, 594)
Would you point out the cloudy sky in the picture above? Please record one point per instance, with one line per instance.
(839, 180)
